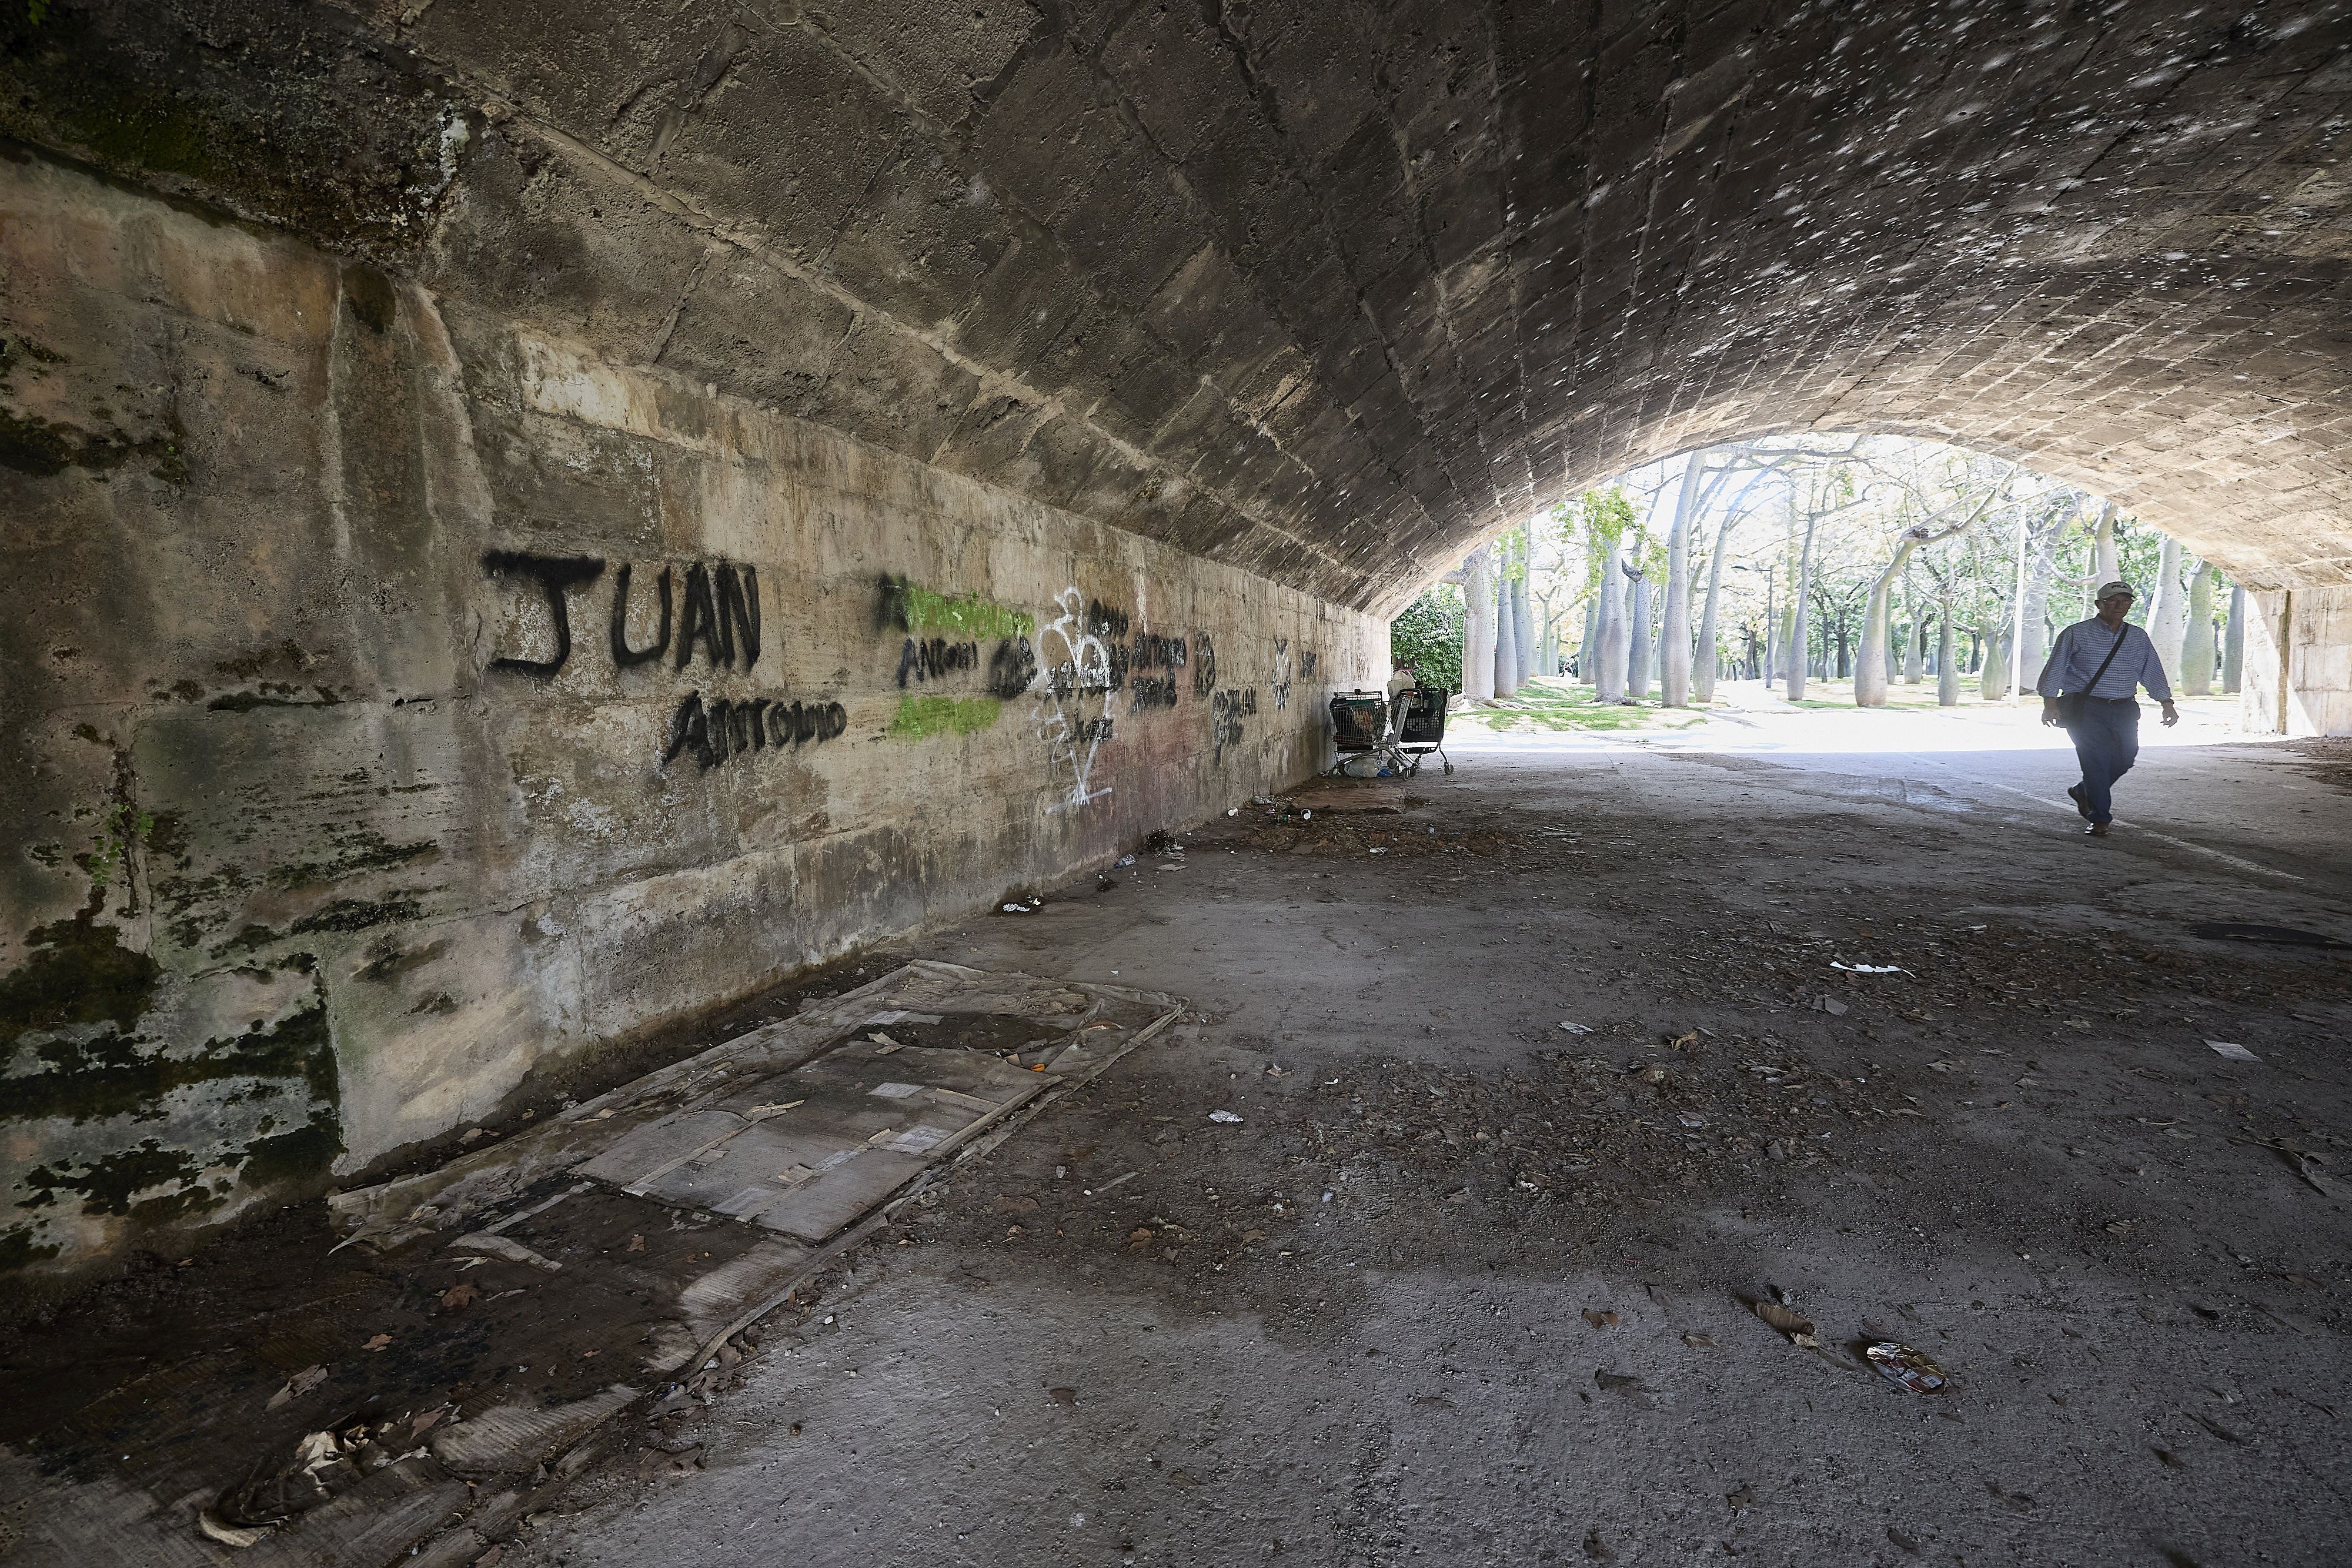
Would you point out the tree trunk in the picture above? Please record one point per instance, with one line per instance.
(1609, 670)
(1639, 647)
(1870, 677)
(2233, 641)
(1506, 633)
(2197, 649)
(1588, 652)
(1702, 664)
(1914, 640)
(1993, 679)
(1947, 661)
(2102, 550)
(1675, 639)
(2037, 599)
(1523, 621)
(1799, 650)
(1478, 625)
(2167, 613)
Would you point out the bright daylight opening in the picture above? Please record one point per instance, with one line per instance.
(1817, 593)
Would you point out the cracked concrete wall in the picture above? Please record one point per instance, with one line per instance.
(404, 700)
(2306, 632)
(1330, 292)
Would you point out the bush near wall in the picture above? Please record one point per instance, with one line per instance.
(1428, 636)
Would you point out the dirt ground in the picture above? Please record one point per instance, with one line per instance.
(1598, 1108)
(1464, 1285)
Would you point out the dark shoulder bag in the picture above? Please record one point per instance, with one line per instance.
(2069, 703)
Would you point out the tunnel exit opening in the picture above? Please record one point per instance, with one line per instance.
(1837, 590)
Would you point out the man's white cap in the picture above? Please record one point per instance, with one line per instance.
(2109, 590)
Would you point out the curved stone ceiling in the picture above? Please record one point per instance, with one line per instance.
(1332, 290)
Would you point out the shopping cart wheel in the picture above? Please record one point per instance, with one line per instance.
(1449, 767)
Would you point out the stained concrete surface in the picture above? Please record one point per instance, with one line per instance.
(2018, 1155)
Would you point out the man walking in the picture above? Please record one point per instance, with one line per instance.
(2099, 665)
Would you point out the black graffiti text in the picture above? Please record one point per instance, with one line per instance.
(717, 615)
(1226, 712)
(720, 730)
(928, 658)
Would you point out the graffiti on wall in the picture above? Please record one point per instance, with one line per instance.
(1074, 705)
(1227, 711)
(723, 729)
(703, 610)
(1280, 685)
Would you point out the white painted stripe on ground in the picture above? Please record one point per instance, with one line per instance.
(2225, 858)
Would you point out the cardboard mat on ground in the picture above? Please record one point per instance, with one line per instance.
(475, 1322)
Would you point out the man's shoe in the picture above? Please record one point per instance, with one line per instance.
(2097, 830)
(2074, 793)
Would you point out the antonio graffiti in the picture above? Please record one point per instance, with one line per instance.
(721, 730)
(716, 616)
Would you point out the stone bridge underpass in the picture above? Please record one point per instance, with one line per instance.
(548, 544)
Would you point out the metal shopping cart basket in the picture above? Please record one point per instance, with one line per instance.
(1359, 731)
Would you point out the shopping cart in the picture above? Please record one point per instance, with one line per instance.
(1421, 730)
(1360, 732)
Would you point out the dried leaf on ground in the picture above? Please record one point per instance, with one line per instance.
(459, 1297)
(299, 1384)
(1600, 1319)
(1699, 1342)
(1795, 1324)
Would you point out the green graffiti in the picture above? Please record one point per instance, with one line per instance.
(919, 718)
(913, 608)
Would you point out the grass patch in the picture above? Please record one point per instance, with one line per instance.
(1551, 703)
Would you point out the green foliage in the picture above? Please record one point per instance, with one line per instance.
(1428, 636)
(1601, 517)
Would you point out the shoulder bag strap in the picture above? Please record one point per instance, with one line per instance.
(2108, 660)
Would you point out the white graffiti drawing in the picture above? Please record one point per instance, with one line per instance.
(1071, 701)
(1281, 681)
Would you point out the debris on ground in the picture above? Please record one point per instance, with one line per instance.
(2306, 1165)
(2231, 1052)
(1226, 1117)
(1908, 1368)
(1788, 1320)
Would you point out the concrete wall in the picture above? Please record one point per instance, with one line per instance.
(2313, 626)
(342, 797)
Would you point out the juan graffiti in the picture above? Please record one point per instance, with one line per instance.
(700, 609)
(717, 615)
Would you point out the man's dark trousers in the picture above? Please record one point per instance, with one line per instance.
(2106, 742)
